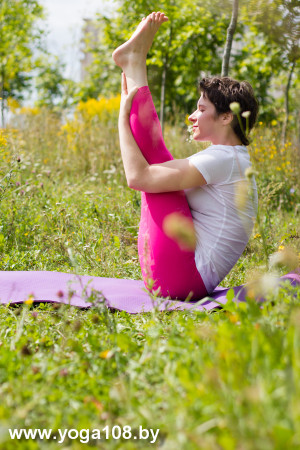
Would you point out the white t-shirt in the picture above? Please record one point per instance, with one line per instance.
(223, 225)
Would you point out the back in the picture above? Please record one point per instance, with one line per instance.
(223, 211)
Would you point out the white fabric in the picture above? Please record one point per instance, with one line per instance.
(222, 229)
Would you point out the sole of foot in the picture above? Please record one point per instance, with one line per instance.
(137, 47)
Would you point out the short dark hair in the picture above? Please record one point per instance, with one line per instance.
(222, 91)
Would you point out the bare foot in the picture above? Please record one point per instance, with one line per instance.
(135, 50)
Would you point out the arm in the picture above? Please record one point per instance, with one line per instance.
(165, 177)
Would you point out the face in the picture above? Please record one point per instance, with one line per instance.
(206, 123)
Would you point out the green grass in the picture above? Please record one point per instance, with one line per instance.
(229, 379)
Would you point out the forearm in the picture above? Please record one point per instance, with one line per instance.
(133, 159)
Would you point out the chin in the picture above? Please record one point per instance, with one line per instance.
(200, 139)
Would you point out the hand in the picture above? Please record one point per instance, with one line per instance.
(126, 98)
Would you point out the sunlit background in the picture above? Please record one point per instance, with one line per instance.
(64, 21)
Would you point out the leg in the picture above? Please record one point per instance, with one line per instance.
(162, 260)
(173, 270)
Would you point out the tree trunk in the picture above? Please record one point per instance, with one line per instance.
(229, 39)
(163, 82)
(2, 98)
(163, 96)
(286, 104)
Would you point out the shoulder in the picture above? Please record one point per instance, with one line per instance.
(218, 151)
(217, 162)
(216, 155)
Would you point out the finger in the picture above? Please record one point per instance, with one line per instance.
(124, 84)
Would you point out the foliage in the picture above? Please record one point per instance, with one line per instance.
(187, 47)
(231, 377)
(221, 379)
(8, 162)
(255, 62)
(53, 88)
(24, 58)
(191, 45)
(19, 35)
(192, 38)
(279, 21)
(90, 116)
(267, 47)
(225, 379)
(278, 169)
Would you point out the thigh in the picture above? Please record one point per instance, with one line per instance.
(162, 261)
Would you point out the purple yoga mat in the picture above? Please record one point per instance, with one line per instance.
(119, 294)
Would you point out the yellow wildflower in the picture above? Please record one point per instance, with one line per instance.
(13, 104)
(30, 111)
(106, 354)
(29, 301)
(3, 141)
(233, 318)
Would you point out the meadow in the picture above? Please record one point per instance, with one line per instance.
(227, 379)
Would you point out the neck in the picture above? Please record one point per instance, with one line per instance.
(231, 140)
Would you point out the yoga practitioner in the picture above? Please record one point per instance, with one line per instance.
(201, 190)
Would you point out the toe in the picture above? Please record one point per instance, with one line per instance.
(161, 17)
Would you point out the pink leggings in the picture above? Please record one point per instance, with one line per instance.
(172, 269)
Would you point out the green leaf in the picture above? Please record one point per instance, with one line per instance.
(230, 294)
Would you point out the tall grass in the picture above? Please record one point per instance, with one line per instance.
(222, 380)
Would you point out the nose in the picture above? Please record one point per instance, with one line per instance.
(192, 117)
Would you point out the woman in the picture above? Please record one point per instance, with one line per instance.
(201, 189)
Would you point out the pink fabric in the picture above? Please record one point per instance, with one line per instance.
(161, 259)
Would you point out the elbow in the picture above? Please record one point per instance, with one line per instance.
(139, 181)
(133, 183)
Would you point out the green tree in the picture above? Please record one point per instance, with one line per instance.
(284, 32)
(186, 47)
(20, 35)
(54, 90)
(270, 49)
(191, 45)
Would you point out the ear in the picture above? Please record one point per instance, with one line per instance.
(227, 118)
